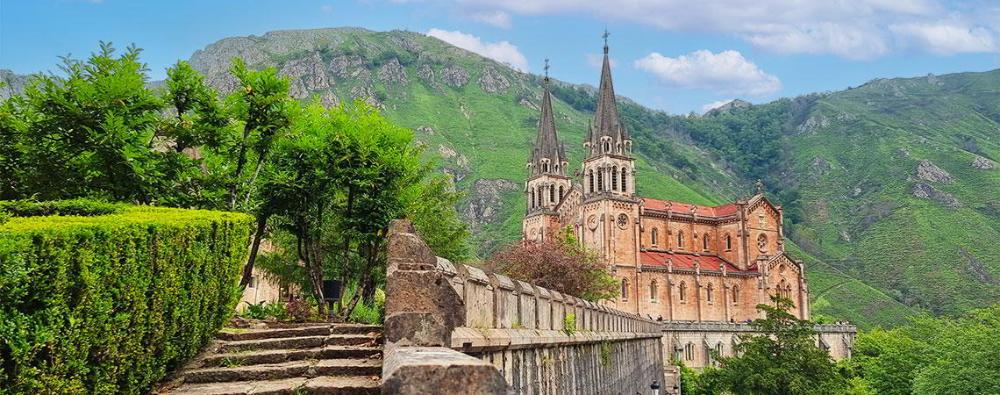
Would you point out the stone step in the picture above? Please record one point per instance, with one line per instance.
(345, 385)
(244, 358)
(235, 334)
(299, 342)
(285, 370)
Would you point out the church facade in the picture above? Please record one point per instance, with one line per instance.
(674, 261)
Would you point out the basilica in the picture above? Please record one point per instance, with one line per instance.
(674, 261)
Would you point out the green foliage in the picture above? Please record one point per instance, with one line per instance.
(569, 324)
(932, 355)
(77, 207)
(265, 310)
(430, 206)
(86, 134)
(110, 303)
(780, 358)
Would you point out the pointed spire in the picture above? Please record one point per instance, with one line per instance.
(548, 154)
(606, 123)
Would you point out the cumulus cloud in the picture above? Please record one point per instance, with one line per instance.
(856, 29)
(494, 18)
(948, 37)
(713, 105)
(724, 72)
(503, 51)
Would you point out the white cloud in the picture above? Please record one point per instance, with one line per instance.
(948, 37)
(494, 18)
(713, 105)
(596, 61)
(326, 8)
(855, 29)
(724, 72)
(502, 51)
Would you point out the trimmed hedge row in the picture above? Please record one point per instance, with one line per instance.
(111, 303)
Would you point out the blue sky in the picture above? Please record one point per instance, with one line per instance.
(675, 55)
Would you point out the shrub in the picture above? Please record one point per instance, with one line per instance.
(110, 303)
(300, 310)
(77, 207)
(569, 324)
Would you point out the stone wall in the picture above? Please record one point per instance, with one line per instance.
(691, 341)
(530, 339)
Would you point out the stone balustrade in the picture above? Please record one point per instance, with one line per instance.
(458, 329)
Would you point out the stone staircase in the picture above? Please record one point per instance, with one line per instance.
(311, 358)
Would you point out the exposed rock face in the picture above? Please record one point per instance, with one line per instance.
(819, 168)
(492, 81)
(813, 124)
(455, 76)
(485, 201)
(982, 163)
(732, 105)
(925, 191)
(366, 93)
(307, 74)
(214, 61)
(978, 269)
(350, 66)
(456, 165)
(392, 74)
(928, 171)
(15, 83)
(426, 74)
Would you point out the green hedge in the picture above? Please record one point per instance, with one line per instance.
(111, 303)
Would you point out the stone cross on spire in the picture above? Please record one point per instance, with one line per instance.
(546, 69)
(605, 36)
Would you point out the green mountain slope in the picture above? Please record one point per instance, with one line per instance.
(480, 117)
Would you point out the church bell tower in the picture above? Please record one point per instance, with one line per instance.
(547, 182)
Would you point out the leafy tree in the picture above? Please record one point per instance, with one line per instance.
(562, 264)
(780, 358)
(933, 355)
(90, 133)
(430, 205)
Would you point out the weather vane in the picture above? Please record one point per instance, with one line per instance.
(605, 36)
(546, 68)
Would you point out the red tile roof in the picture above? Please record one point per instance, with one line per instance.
(678, 207)
(686, 261)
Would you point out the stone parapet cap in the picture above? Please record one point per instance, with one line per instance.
(694, 326)
(438, 370)
(482, 339)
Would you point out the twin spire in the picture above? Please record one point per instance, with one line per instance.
(605, 134)
(549, 155)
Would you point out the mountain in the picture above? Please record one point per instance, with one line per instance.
(890, 189)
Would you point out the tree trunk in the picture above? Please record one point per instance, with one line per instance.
(254, 248)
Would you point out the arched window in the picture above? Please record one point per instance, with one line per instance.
(680, 240)
(600, 179)
(614, 178)
(552, 193)
(652, 290)
(689, 352)
(654, 236)
(560, 192)
(704, 242)
(591, 173)
(624, 185)
(736, 294)
(607, 146)
(541, 197)
(729, 242)
(683, 291)
(531, 200)
(624, 289)
(545, 167)
(709, 291)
